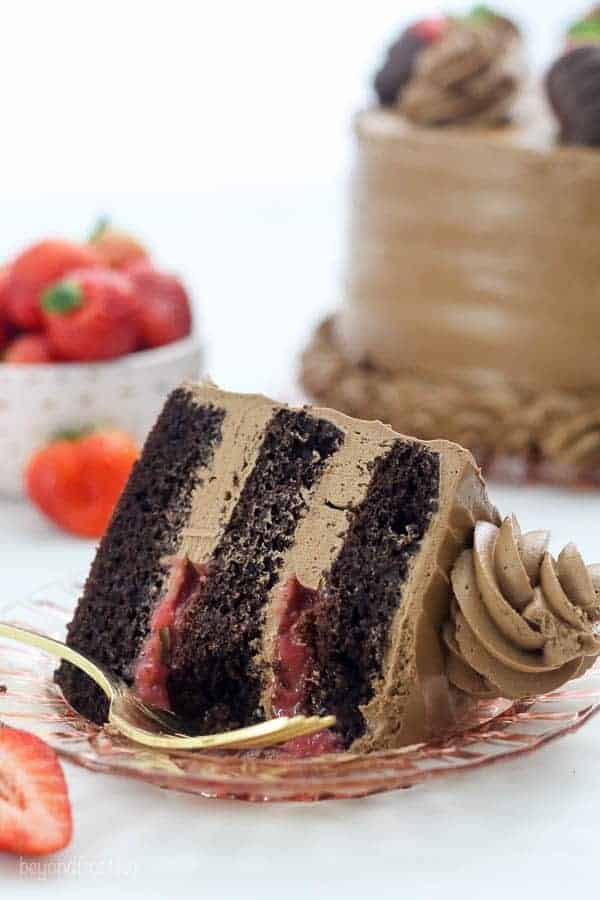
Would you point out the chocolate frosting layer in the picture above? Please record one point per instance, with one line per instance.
(522, 623)
(472, 74)
(474, 252)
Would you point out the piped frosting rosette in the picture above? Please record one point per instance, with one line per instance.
(522, 623)
(471, 75)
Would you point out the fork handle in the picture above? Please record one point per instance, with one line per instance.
(60, 651)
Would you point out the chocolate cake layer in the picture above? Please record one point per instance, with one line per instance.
(214, 679)
(128, 573)
(363, 589)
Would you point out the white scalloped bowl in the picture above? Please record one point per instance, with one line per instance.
(38, 401)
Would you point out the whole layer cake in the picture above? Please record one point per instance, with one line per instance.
(268, 561)
(472, 297)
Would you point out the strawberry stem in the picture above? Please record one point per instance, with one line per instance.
(72, 434)
(480, 13)
(101, 225)
(62, 297)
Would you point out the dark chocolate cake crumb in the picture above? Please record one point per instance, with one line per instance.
(144, 529)
(364, 586)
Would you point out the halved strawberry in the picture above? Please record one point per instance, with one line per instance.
(35, 813)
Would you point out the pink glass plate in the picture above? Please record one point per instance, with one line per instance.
(30, 700)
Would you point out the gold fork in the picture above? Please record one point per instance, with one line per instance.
(159, 728)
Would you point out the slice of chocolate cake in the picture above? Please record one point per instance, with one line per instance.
(266, 561)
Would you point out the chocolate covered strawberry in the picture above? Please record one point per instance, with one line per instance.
(77, 479)
(36, 269)
(35, 813)
(164, 313)
(573, 84)
(91, 315)
(29, 349)
(401, 58)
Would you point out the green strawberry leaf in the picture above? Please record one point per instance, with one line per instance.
(63, 297)
(481, 12)
(587, 29)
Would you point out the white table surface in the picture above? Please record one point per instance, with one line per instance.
(257, 228)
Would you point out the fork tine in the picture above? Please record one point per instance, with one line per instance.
(266, 734)
(297, 727)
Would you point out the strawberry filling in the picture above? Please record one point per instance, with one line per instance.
(186, 583)
(294, 665)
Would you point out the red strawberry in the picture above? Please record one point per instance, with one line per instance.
(35, 813)
(164, 313)
(116, 248)
(431, 30)
(4, 327)
(92, 315)
(34, 270)
(4, 273)
(76, 480)
(29, 348)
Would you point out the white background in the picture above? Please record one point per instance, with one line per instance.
(220, 132)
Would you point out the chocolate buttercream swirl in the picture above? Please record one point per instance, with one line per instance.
(472, 74)
(548, 434)
(521, 623)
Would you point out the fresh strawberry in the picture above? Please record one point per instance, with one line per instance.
(77, 479)
(164, 313)
(35, 270)
(431, 30)
(4, 273)
(4, 326)
(35, 813)
(29, 348)
(92, 315)
(116, 249)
